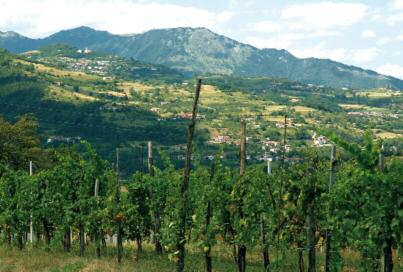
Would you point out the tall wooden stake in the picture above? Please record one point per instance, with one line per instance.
(265, 250)
(284, 142)
(142, 158)
(118, 219)
(98, 234)
(387, 258)
(311, 237)
(242, 146)
(31, 224)
(242, 248)
(209, 214)
(150, 159)
(157, 223)
(328, 233)
(185, 184)
(282, 168)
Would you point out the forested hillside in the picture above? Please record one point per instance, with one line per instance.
(65, 109)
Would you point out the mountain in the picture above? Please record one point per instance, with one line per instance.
(201, 51)
(102, 64)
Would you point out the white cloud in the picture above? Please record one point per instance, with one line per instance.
(287, 39)
(265, 26)
(378, 17)
(365, 55)
(38, 18)
(324, 14)
(352, 56)
(400, 37)
(305, 22)
(383, 41)
(395, 18)
(269, 42)
(397, 4)
(318, 51)
(368, 33)
(394, 70)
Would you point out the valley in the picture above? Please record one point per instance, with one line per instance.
(112, 102)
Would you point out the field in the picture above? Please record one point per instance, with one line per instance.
(38, 259)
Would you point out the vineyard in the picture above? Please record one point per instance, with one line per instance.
(340, 198)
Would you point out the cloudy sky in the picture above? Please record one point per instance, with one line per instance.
(368, 33)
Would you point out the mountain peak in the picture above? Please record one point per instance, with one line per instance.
(79, 30)
(9, 34)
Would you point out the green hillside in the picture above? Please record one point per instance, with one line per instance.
(76, 105)
(116, 109)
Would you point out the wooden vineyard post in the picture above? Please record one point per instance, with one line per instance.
(31, 224)
(242, 167)
(185, 184)
(97, 238)
(209, 214)
(311, 226)
(157, 223)
(142, 157)
(387, 260)
(283, 157)
(265, 250)
(282, 173)
(328, 233)
(150, 159)
(118, 216)
(311, 238)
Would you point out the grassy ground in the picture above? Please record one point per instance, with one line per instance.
(55, 260)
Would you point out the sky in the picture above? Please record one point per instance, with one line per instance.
(367, 34)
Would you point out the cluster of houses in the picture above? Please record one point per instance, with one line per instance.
(188, 115)
(61, 139)
(99, 67)
(372, 114)
(84, 51)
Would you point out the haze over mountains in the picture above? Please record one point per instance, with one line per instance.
(200, 51)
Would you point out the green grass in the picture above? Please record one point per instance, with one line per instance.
(56, 260)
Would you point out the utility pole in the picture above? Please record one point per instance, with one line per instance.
(185, 184)
(118, 218)
(328, 234)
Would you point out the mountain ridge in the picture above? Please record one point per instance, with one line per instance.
(201, 51)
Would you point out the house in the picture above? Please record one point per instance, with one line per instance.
(188, 115)
(319, 140)
(221, 139)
